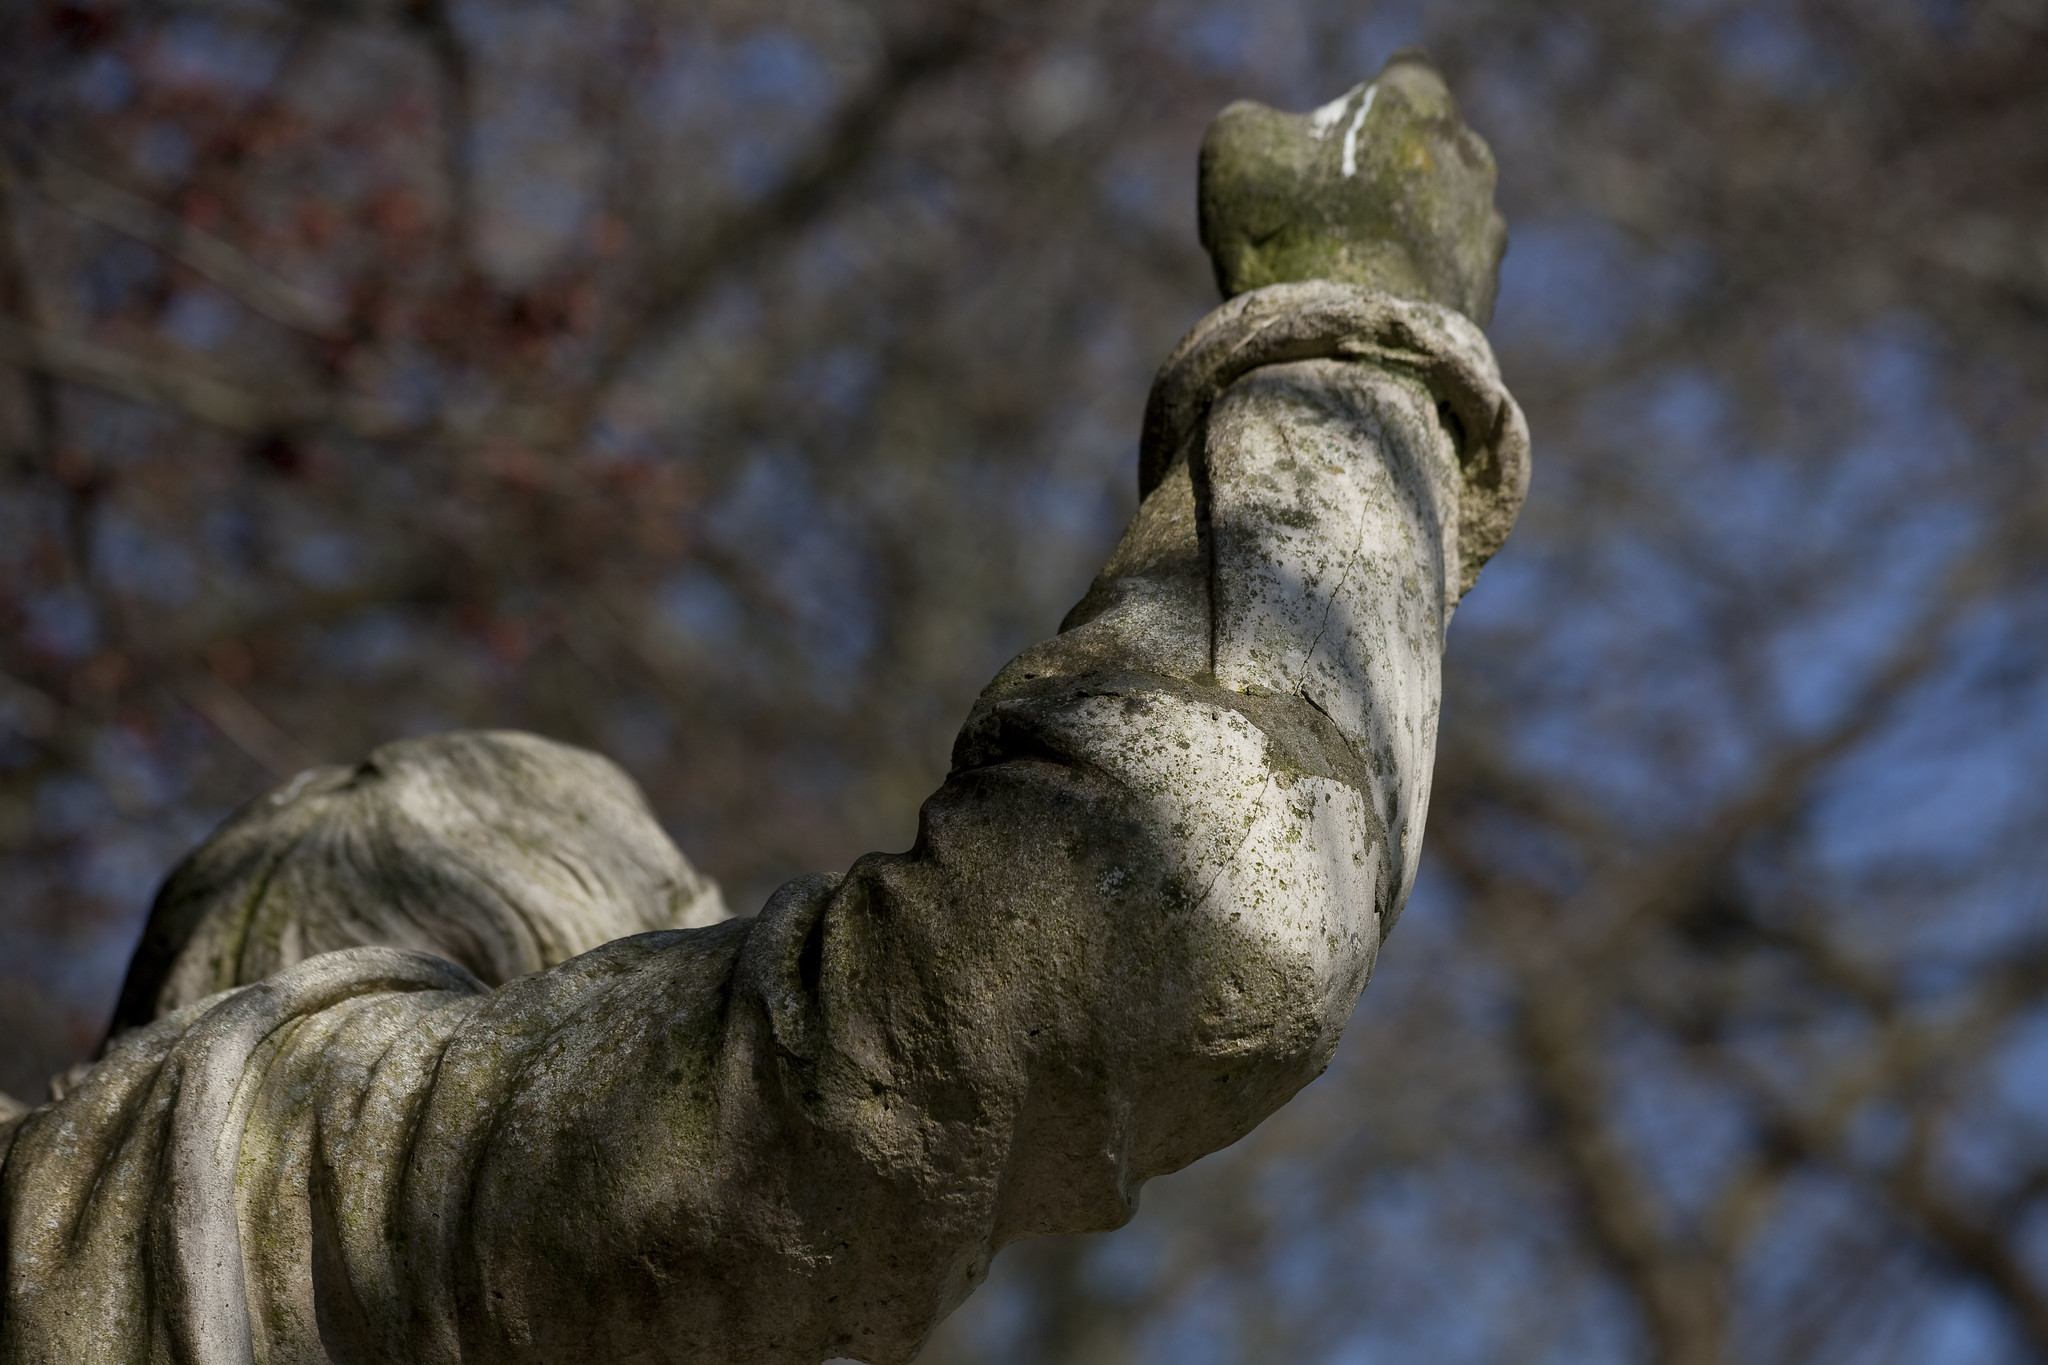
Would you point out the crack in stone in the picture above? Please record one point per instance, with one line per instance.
(1330, 604)
(1258, 813)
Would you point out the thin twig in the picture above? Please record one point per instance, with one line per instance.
(98, 201)
(811, 187)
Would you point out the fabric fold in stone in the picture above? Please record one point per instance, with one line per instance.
(1323, 319)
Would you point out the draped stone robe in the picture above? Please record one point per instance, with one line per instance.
(1135, 919)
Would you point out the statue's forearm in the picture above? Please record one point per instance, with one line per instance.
(1244, 707)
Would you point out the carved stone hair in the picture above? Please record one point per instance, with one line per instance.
(502, 852)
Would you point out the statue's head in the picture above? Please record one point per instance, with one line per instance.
(502, 852)
(1384, 186)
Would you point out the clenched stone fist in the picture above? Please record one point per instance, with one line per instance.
(1384, 186)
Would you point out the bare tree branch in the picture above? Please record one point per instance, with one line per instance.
(1679, 1285)
(110, 206)
(189, 389)
(1972, 1246)
(1976, 1249)
(244, 726)
(455, 94)
(809, 189)
(1657, 889)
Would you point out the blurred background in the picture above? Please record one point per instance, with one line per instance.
(732, 385)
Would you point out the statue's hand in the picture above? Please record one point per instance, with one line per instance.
(1385, 186)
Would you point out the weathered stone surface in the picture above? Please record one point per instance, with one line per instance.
(503, 853)
(1319, 318)
(1384, 186)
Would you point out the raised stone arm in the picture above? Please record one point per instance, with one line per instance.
(1135, 920)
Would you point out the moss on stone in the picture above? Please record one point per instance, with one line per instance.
(1384, 186)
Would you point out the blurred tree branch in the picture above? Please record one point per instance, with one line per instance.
(184, 386)
(455, 100)
(1678, 1285)
(110, 206)
(910, 62)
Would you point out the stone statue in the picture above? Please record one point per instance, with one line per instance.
(451, 1056)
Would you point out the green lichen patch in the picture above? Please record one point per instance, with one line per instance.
(1384, 186)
